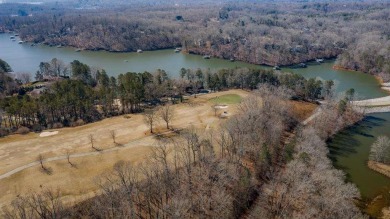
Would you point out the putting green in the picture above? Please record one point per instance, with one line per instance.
(227, 99)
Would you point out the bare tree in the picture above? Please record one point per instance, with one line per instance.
(150, 118)
(24, 77)
(45, 169)
(113, 136)
(40, 160)
(44, 204)
(68, 154)
(331, 197)
(58, 68)
(92, 141)
(380, 150)
(167, 113)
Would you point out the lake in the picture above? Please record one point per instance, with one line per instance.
(26, 58)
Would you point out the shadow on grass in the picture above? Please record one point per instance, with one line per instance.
(47, 170)
(119, 144)
(97, 149)
(73, 165)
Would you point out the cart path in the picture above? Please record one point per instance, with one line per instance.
(367, 106)
(134, 142)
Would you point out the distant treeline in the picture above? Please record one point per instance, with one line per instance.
(271, 33)
(80, 95)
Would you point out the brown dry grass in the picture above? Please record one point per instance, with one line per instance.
(76, 183)
(302, 110)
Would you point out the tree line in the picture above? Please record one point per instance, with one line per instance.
(75, 94)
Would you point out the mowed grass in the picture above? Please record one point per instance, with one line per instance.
(78, 183)
(227, 99)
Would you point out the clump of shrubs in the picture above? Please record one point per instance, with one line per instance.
(36, 128)
(78, 122)
(4, 132)
(22, 130)
(57, 125)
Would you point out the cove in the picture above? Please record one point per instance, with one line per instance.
(350, 148)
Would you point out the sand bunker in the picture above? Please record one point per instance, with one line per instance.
(221, 107)
(47, 134)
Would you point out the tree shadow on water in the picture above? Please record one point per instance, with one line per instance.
(346, 142)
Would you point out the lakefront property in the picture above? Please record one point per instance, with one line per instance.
(194, 109)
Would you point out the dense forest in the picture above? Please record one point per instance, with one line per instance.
(271, 33)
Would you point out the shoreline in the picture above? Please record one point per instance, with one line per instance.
(188, 51)
(338, 67)
(384, 85)
(379, 167)
(375, 105)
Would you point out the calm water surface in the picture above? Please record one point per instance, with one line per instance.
(349, 149)
(25, 58)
